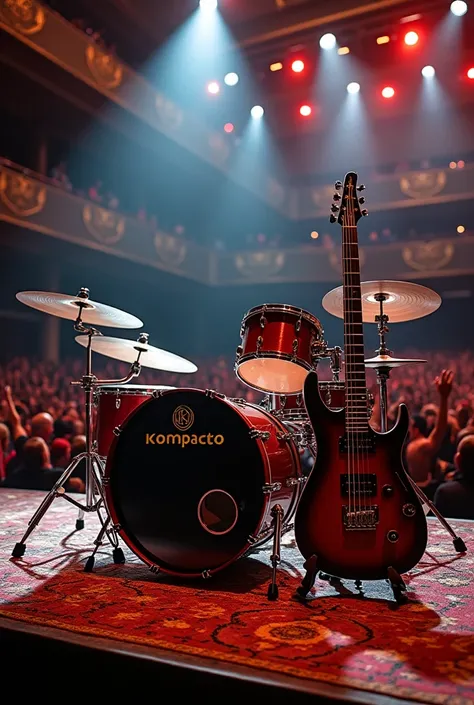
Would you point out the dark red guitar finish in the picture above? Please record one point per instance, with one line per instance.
(358, 517)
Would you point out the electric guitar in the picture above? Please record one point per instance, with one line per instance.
(358, 517)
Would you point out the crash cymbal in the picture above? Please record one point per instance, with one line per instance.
(405, 301)
(65, 306)
(128, 350)
(389, 361)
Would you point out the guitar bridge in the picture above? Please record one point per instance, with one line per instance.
(361, 519)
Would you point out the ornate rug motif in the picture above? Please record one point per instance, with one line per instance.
(422, 651)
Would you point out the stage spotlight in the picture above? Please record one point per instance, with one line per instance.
(297, 66)
(342, 51)
(257, 112)
(213, 88)
(411, 38)
(383, 40)
(460, 229)
(208, 4)
(428, 71)
(277, 66)
(231, 79)
(353, 87)
(314, 235)
(327, 41)
(459, 8)
(228, 127)
(306, 110)
(470, 73)
(388, 92)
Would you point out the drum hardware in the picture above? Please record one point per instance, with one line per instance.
(292, 481)
(383, 363)
(262, 435)
(272, 487)
(212, 394)
(275, 558)
(81, 309)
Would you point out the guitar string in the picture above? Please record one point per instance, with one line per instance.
(347, 326)
(354, 366)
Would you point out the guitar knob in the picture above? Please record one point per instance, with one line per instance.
(409, 510)
(332, 218)
(393, 536)
(364, 212)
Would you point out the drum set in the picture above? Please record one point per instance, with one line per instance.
(190, 479)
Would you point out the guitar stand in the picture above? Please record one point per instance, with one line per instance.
(398, 586)
(311, 568)
(275, 558)
(458, 543)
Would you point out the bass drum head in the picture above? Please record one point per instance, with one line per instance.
(185, 482)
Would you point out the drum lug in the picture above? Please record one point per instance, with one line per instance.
(255, 433)
(117, 430)
(284, 436)
(259, 344)
(253, 539)
(241, 402)
(272, 487)
(295, 348)
(118, 402)
(263, 320)
(298, 323)
(283, 401)
(155, 569)
(293, 481)
(206, 574)
(239, 351)
(157, 393)
(212, 394)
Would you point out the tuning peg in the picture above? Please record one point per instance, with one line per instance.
(334, 208)
(337, 197)
(364, 212)
(362, 200)
(338, 185)
(361, 187)
(332, 218)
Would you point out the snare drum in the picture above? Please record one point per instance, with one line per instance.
(280, 344)
(114, 403)
(192, 479)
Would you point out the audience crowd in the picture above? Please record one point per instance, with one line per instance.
(42, 419)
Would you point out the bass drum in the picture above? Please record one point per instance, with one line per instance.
(192, 478)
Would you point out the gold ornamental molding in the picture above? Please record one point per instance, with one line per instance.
(25, 16)
(21, 195)
(107, 227)
(105, 68)
(423, 184)
(171, 250)
(260, 265)
(428, 256)
(169, 115)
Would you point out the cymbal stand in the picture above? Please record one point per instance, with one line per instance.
(383, 375)
(94, 466)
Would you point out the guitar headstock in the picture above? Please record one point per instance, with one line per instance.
(348, 204)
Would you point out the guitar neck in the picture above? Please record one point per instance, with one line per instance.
(356, 383)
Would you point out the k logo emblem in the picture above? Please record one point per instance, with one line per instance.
(183, 418)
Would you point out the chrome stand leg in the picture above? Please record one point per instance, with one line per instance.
(275, 558)
(458, 543)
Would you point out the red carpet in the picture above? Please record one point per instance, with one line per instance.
(422, 651)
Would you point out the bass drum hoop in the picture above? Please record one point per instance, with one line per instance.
(153, 565)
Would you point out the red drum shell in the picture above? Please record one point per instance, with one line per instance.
(279, 346)
(114, 403)
(171, 481)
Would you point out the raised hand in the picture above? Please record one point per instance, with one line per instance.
(444, 383)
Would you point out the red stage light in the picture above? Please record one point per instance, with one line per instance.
(228, 127)
(411, 38)
(388, 92)
(470, 72)
(297, 66)
(306, 110)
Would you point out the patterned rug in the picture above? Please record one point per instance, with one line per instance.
(422, 651)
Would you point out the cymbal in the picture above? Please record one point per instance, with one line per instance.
(66, 306)
(388, 361)
(405, 301)
(127, 351)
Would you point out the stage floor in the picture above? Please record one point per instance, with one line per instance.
(342, 644)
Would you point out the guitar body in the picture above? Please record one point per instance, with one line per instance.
(399, 536)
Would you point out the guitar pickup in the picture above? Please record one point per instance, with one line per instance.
(359, 484)
(360, 443)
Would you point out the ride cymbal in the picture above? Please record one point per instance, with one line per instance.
(404, 301)
(69, 307)
(389, 361)
(128, 351)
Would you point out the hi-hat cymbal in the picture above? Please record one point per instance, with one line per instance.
(389, 361)
(128, 350)
(405, 301)
(65, 306)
